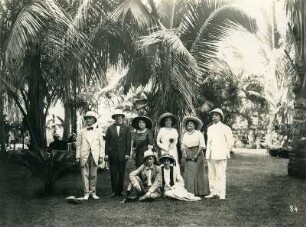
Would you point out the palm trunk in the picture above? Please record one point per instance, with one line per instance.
(2, 132)
(35, 112)
(299, 115)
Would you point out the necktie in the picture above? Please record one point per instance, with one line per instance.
(90, 128)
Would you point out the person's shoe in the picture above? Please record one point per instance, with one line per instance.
(85, 197)
(112, 195)
(210, 196)
(94, 196)
(222, 197)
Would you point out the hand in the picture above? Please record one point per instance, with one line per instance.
(106, 158)
(100, 160)
(138, 188)
(77, 161)
(127, 157)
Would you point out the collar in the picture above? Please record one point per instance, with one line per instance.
(149, 168)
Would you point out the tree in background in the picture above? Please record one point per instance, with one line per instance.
(171, 44)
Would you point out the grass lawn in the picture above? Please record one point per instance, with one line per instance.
(259, 192)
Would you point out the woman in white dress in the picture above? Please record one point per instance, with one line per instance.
(167, 137)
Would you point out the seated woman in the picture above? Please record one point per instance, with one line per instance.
(171, 182)
(142, 179)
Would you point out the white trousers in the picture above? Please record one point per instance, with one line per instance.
(217, 176)
(89, 176)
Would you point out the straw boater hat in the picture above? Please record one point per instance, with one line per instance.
(91, 114)
(161, 119)
(219, 111)
(147, 120)
(148, 153)
(167, 156)
(198, 123)
(118, 112)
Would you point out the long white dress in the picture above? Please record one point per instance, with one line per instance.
(176, 191)
(167, 139)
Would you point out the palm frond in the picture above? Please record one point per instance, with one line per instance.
(170, 39)
(27, 28)
(137, 10)
(213, 31)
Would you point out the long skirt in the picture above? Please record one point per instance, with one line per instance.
(180, 193)
(195, 176)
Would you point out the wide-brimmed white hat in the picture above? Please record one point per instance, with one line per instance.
(198, 123)
(219, 111)
(91, 114)
(148, 153)
(161, 119)
(135, 122)
(118, 112)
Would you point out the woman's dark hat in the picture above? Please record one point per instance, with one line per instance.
(147, 120)
(167, 156)
(162, 118)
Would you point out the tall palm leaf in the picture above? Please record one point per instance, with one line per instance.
(172, 55)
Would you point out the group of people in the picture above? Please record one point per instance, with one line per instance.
(157, 173)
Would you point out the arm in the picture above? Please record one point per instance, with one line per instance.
(157, 182)
(201, 144)
(150, 139)
(183, 147)
(158, 140)
(101, 148)
(128, 141)
(175, 141)
(229, 138)
(107, 139)
(133, 176)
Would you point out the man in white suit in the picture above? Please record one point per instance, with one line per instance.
(219, 144)
(89, 154)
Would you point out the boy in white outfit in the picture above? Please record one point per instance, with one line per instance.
(89, 153)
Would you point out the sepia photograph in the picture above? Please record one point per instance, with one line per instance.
(152, 112)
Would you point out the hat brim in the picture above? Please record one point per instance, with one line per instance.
(145, 158)
(161, 119)
(221, 115)
(90, 117)
(162, 159)
(197, 121)
(114, 115)
(148, 121)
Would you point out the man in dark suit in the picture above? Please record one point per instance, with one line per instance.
(117, 151)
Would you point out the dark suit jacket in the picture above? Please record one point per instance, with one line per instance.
(116, 147)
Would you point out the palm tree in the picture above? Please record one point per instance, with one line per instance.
(41, 39)
(296, 9)
(172, 41)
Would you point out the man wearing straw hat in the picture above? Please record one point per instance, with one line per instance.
(142, 179)
(219, 144)
(117, 151)
(89, 154)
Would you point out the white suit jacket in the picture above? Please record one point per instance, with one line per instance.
(90, 141)
(219, 141)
